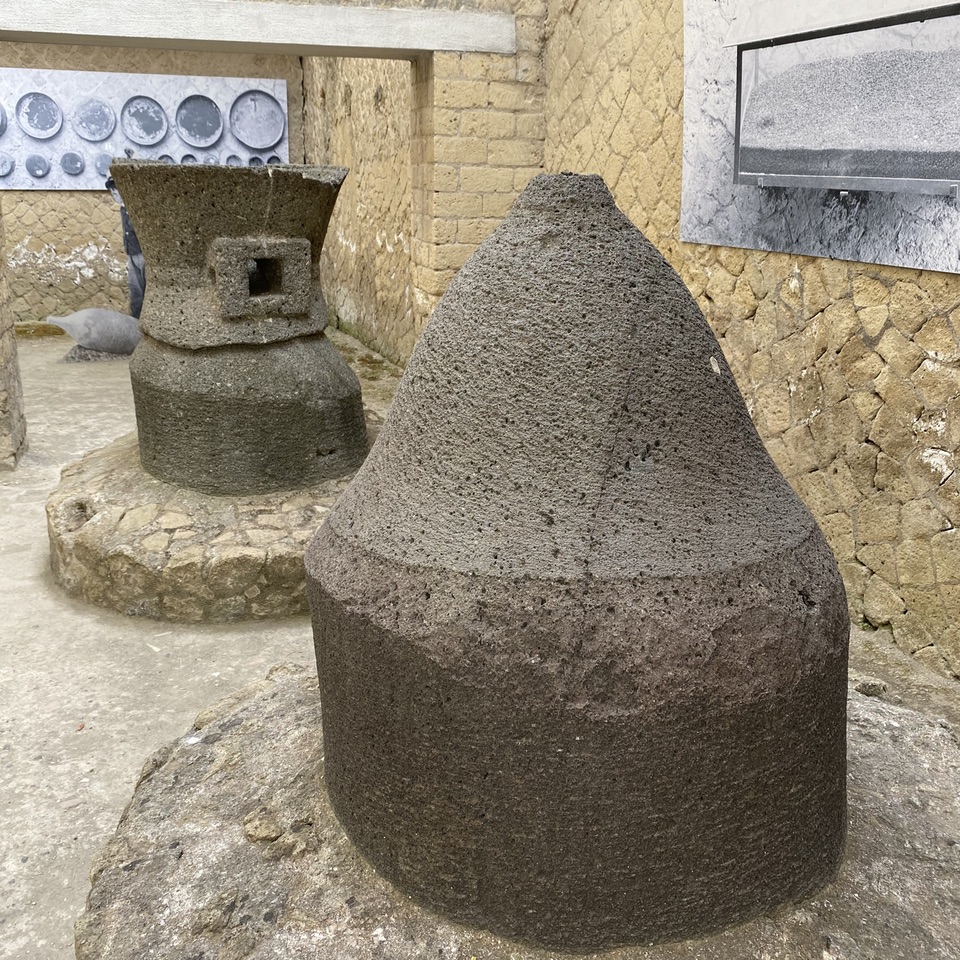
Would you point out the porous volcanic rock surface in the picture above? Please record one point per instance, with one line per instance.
(229, 849)
(569, 604)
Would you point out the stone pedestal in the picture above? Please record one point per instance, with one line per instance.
(229, 849)
(121, 538)
(13, 429)
(236, 388)
(582, 650)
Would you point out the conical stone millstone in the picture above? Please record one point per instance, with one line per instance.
(582, 650)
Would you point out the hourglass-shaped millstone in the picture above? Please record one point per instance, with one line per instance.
(237, 390)
(582, 650)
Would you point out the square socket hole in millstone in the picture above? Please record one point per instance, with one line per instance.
(262, 277)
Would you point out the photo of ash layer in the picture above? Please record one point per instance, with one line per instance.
(889, 113)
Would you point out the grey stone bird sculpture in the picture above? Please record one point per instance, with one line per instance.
(102, 330)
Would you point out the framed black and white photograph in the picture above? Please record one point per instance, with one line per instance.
(824, 129)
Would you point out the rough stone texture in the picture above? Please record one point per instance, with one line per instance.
(78, 354)
(13, 426)
(123, 539)
(229, 848)
(851, 372)
(548, 503)
(65, 248)
(237, 390)
(358, 116)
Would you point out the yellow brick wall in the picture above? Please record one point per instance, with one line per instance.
(358, 116)
(64, 248)
(851, 371)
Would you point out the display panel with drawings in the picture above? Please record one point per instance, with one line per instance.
(59, 129)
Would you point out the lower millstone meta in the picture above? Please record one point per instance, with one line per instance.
(247, 419)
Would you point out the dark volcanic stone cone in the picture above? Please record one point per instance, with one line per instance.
(582, 650)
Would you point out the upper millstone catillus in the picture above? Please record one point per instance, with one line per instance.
(237, 390)
(582, 650)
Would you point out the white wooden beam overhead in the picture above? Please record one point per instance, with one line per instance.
(258, 26)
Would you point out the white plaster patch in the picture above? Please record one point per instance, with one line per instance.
(931, 422)
(939, 461)
(76, 265)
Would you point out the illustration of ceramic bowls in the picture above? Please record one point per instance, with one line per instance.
(94, 120)
(7, 163)
(3, 121)
(257, 120)
(72, 164)
(39, 116)
(199, 121)
(102, 164)
(143, 121)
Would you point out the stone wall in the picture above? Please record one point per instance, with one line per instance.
(13, 436)
(64, 248)
(851, 372)
(438, 153)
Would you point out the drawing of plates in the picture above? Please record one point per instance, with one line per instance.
(188, 158)
(143, 121)
(234, 161)
(199, 121)
(37, 166)
(94, 120)
(257, 120)
(72, 163)
(102, 164)
(3, 121)
(39, 116)
(255, 161)
(166, 158)
(7, 164)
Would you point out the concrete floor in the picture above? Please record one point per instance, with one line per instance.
(86, 695)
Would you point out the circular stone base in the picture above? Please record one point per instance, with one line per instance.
(229, 849)
(120, 538)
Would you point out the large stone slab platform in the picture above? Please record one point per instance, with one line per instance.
(229, 849)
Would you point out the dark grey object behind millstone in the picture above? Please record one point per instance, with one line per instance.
(582, 650)
(237, 390)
